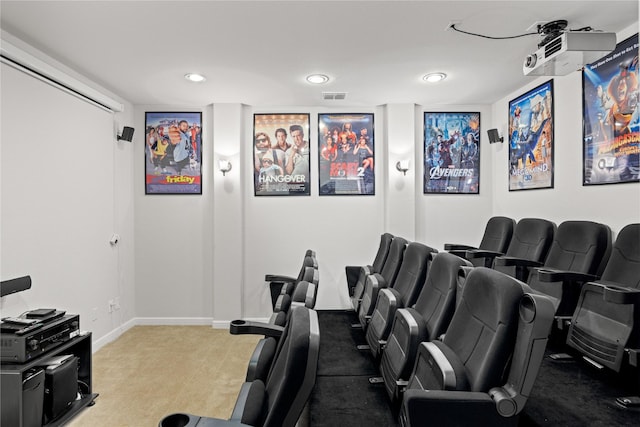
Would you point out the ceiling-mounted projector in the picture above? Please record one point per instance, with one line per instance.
(562, 52)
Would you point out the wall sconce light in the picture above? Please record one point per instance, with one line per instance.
(403, 166)
(224, 166)
(494, 136)
(127, 134)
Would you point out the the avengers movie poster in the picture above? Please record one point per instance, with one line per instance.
(346, 154)
(452, 153)
(531, 139)
(281, 164)
(611, 130)
(173, 153)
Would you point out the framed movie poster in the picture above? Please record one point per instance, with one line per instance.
(531, 139)
(452, 153)
(346, 153)
(281, 155)
(173, 153)
(611, 126)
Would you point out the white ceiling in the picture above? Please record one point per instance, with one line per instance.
(259, 52)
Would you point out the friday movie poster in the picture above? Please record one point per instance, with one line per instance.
(452, 153)
(281, 164)
(173, 153)
(611, 126)
(531, 139)
(346, 154)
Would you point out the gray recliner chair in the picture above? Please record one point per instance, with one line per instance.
(279, 401)
(407, 286)
(386, 278)
(279, 284)
(460, 381)
(605, 326)
(426, 320)
(530, 243)
(357, 275)
(578, 254)
(496, 238)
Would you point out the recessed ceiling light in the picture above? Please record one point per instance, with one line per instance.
(196, 78)
(317, 79)
(434, 77)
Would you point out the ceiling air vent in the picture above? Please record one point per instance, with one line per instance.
(334, 95)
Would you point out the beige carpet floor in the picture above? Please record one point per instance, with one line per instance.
(152, 371)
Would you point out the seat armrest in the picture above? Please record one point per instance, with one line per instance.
(188, 420)
(621, 295)
(438, 407)
(244, 327)
(457, 247)
(552, 275)
(278, 278)
(481, 253)
(509, 261)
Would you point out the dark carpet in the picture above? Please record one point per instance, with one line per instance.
(566, 393)
(573, 393)
(342, 394)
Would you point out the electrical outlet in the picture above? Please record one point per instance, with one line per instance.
(94, 314)
(111, 306)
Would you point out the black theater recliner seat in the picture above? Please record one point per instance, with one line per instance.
(302, 292)
(386, 278)
(357, 275)
(279, 401)
(461, 380)
(605, 327)
(529, 245)
(578, 254)
(426, 320)
(408, 284)
(279, 284)
(496, 238)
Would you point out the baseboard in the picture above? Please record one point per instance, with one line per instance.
(98, 343)
(167, 321)
(112, 336)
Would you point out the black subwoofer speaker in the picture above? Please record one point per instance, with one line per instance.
(60, 386)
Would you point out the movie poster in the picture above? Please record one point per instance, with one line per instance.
(281, 155)
(346, 154)
(173, 153)
(452, 153)
(611, 127)
(531, 139)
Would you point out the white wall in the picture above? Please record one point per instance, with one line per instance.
(66, 187)
(455, 218)
(173, 240)
(614, 205)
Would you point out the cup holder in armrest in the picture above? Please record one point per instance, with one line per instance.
(179, 420)
(187, 420)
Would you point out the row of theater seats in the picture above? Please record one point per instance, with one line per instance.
(455, 344)
(573, 274)
(282, 370)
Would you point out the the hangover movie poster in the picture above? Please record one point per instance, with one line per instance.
(173, 153)
(281, 164)
(531, 131)
(346, 154)
(452, 153)
(611, 133)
